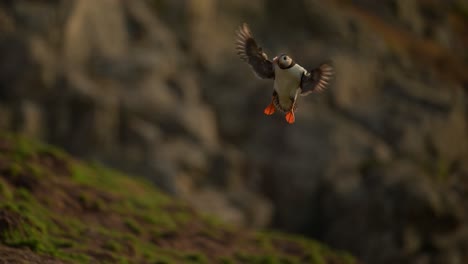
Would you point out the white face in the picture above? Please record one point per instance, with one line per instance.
(284, 61)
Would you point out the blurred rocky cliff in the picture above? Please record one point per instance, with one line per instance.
(377, 165)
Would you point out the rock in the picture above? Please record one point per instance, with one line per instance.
(89, 31)
(6, 117)
(257, 210)
(209, 201)
(358, 83)
(6, 22)
(32, 120)
(408, 200)
(185, 155)
(18, 70)
(199, 121)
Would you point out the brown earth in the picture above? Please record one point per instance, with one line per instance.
(54, 209)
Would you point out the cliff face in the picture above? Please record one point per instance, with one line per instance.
(376, 165)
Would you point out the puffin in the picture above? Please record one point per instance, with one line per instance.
(290, 78)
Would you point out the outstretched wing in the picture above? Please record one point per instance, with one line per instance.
(250, 52)
(317, 80)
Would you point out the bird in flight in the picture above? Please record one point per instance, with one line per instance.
(290, 79)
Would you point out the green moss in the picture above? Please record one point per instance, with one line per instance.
(291, 260)
(165, 221)
(226, 260)
(23, 229)
(5, 191)
(195, 257)
(24, 148)
(141, 195)
(346, 258)
(35, 169)
(74, 227)
(52, 151)
(91, 203)
(112, 246)
(142, 220)
(314, 256)
(62, 243)
(81, 174)
(182, 217)
(263, 240)
(257, 259)
(162, 260)
(15, 169)
(133, 226)
(270, 258)
(73, 257)
(213, 223)
(22, 194)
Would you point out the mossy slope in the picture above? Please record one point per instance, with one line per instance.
(54, 209)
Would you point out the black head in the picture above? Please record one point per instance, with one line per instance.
(284, 61)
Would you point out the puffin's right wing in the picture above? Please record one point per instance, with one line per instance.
(248, 50)
(317, 80)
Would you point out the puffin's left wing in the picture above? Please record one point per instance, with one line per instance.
(250, 52)
(317, 80)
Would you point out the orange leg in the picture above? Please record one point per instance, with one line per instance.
(290, 118)
(270, 109)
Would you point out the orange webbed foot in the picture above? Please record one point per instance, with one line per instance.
(290, 118)
(270, 109)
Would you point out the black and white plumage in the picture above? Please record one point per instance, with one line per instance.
(290, 79)
(250, 52)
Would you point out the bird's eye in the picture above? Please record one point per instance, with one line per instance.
(284, 58)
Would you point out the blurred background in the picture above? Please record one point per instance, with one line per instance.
(377, 165)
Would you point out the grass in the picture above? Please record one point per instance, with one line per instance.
(54, 205)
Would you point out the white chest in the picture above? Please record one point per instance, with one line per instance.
(287, 82)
